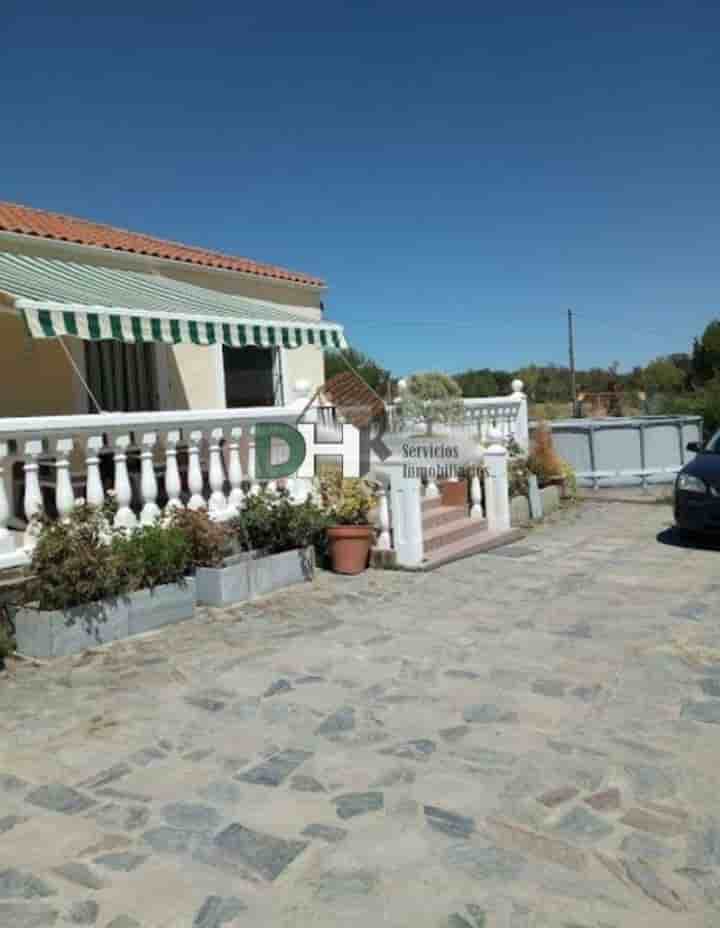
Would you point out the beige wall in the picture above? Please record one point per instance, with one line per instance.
(35, 376)
(306, 363)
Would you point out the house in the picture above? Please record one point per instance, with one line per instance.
(94, 318)
(138, 364)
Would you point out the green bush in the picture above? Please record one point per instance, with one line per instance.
(73, 564)
(272, 523)
(153, 555)
(209, 542)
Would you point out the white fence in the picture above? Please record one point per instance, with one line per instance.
(200, 458)
(485, 419)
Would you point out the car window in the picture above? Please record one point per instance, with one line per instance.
(713, 445)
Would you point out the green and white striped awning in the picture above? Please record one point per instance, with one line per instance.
(96, 302)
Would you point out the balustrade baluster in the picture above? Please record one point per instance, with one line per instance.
(383, 521)
(148, 481)
(195, 476)
(216, 473)
(33, 501)
(94, 492)
(173, 484)
(235, 474)
(476, 510)
(124, 517)
(64, 495)
(6, 541)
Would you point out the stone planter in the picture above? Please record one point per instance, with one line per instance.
(58, 633)
(272, 572)
(252, 574)
(163, 605)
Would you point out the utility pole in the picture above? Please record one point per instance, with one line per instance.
(571, 350)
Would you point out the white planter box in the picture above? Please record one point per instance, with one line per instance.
(252, 575)
(58, 633)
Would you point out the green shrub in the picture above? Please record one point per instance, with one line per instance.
(208, 541)
(153, 555)
(272, 523)
(73, 564)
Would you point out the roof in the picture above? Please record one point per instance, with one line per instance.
(27, 220)
(358, 403)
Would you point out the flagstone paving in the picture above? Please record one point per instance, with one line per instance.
(524, 739)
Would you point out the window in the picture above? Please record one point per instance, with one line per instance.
(252, 377)
(121, 376)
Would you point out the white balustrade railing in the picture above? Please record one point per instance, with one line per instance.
(486, 419)
(138, 454)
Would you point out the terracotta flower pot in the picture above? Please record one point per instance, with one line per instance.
(454, 492)
(350, 547)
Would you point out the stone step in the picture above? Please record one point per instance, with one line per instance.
(441, 515)
(467, 547)
(430, 503)
(459, 528)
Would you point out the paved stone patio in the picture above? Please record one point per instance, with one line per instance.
(525, 739)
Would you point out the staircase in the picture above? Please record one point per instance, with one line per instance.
(449, 534)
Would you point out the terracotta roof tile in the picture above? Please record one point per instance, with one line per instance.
(27, 220)
(353, 398)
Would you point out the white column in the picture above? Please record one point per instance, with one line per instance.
(476, 511)
(235, 474)
(94, 492)
(124, 517)
(406, 520)
(195, 477)
(254, 485)
(6, 541)
(216, 473)
(431, 490)
(497, 500)
(148, 481)
(522, 427)
(32, 502)
(383, 521)
(64, 495)
(173, 485)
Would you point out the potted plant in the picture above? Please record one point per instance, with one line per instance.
(349, 533)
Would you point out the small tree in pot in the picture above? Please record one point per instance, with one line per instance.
(350, 534)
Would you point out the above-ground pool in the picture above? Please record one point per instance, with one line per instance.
(628, 451)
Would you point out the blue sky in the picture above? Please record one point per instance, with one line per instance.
(460, 173)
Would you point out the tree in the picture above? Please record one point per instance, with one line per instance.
(434, 397)
(706, 353)
(478, 383)
(530, 377)
(371, 372)
(663, 376)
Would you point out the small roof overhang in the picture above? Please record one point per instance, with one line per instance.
(96, 302)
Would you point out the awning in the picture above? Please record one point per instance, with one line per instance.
(97, 303)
